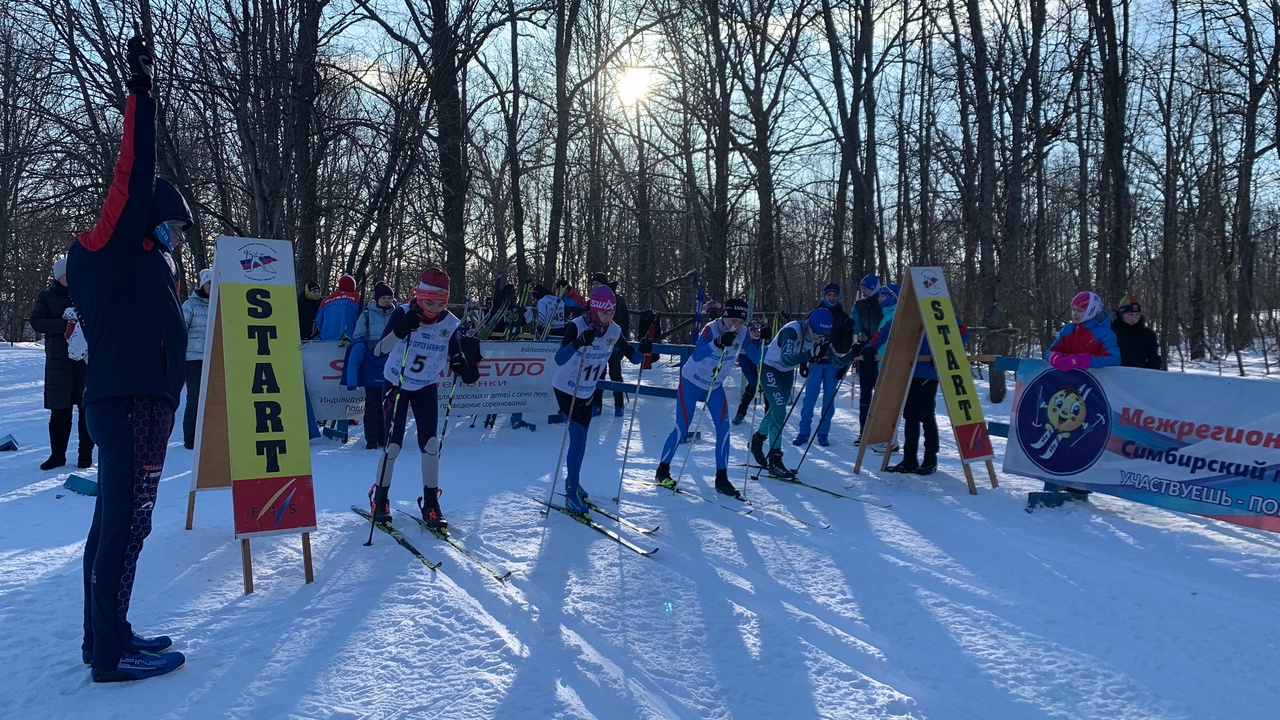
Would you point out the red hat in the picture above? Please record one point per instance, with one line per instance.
(432, 285)
(347, 284)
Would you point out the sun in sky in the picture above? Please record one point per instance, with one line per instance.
(633, 85)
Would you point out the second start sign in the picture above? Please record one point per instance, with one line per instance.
(270, 458)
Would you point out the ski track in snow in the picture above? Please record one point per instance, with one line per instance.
(943, 606)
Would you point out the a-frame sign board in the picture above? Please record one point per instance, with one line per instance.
(924, 307)
(251, 433)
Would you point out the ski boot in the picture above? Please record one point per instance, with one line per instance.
(757, 449)
(724, 487)
(775, 467)
(575, 501)
(737, 419)
(379, 506)
(663, 476)
(801, 439)
(429, 506)
(617, 411)
(822, 440)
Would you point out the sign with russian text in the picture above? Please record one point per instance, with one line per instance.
(1197, 444)
(952, 364)
(322, 365)
(515, 377)
(270, 458)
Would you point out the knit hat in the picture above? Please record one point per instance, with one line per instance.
(602, 300)
(831, 288)
(313, 286)
(600, 278)
(1091, 303)
(888, 295)
(59, 268)
(433, 284)
(870, 282)
(1128, 304)
(346, 283)
(381, 290)
(821, 321)
(735, 308)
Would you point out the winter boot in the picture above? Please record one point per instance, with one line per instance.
(575, 501)
(617, 411)
(379, 506)
(140, 665)
(737, 419)
(908, 465)
(822, 440)
(663, 476)
(775, 467)
(757, 449)
(929, 466)
(85, 460)
(724, 487)
(801, 439)
(429, 505)
(157, 644)
(59, 436)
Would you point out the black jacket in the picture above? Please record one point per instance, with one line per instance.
(307, 309)
(124, 284)
(63, 377)
(1139, 346)
(867, 314)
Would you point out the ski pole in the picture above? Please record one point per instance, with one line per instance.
(821, 420)
(653, 328)
(564, 441)
(397, 391)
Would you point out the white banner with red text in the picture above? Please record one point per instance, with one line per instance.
(515, 377)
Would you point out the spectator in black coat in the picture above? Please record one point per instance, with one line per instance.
(63, 377)
(1139, 346)
(308, 307)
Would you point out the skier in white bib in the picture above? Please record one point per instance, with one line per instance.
(582, 359)
(421, 341)
(702, 378)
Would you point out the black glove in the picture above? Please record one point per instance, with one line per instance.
(646, 346)
(141, 65)
(458, 364)
(819, 352)
(726, 339)
(585, 338)
(869, 353)
(804, 369)
(856, 349)
(408, 323)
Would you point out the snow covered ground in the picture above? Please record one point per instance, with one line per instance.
(944, 605)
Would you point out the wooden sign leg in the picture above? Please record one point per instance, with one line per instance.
(306, 558)
(991, 470)
(968, 476)
(191, 508)
(248, 566)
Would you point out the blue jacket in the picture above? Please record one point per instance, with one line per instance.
(1093, 337)
(124, 284)
(336, 318)
(362, 368)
